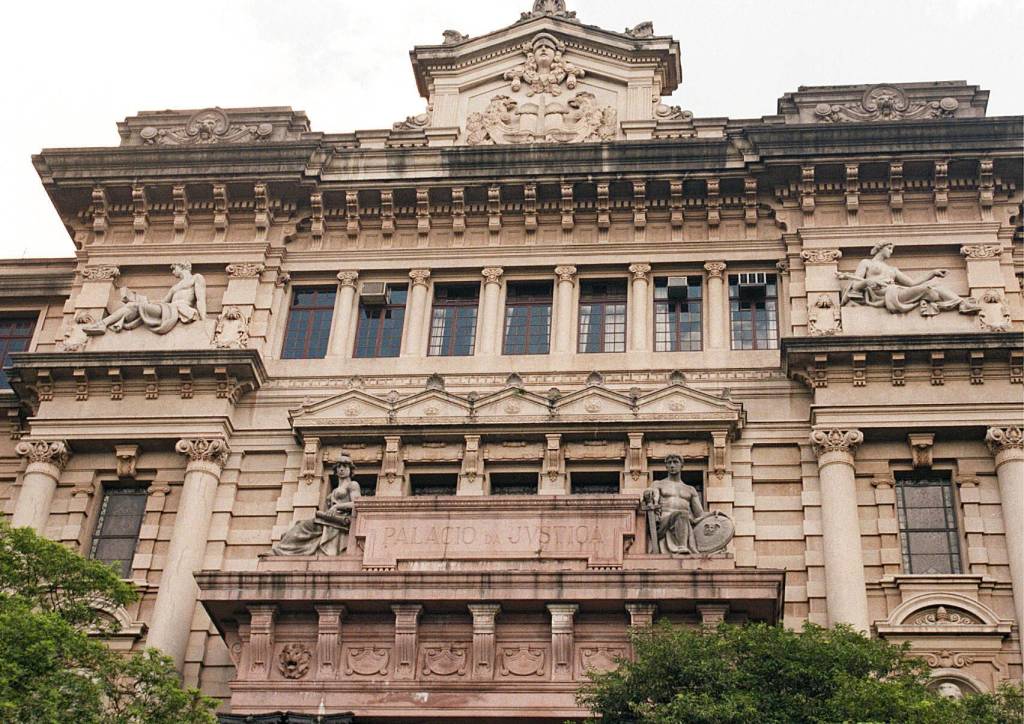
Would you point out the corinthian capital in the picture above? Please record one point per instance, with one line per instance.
(492, 274)
(419, 277)
(565, 273)
(835, 440)
(54, 453)
(244, 270)
(1004, 439)
(821, 256)
(640, 271)
(348, 278)
(714, 268)
(102, 272)
(204, 450)
(981, 251)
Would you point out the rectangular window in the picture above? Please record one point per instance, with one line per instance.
(379, 331)
(433, 483)
(602, 315)
(453, 322)
(309, 323)
(928, 528)
(677, 324)
(15, 336)
(117, 530)
(513, 483)
(753, 311)
(594, 482)
(528, 318)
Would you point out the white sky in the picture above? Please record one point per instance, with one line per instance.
(71, 70)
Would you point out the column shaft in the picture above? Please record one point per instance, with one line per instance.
(562, 333)
(1007, 443)
(845, 588)
(414, 322)
(717, 326)
(639, 314)
(490, 320)
(176, 600)
(39, 482)
(341, 340)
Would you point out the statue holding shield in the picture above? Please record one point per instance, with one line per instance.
(677, 523)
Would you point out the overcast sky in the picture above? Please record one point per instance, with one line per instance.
(72, 70)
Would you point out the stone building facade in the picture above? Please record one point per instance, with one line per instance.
(501, 317)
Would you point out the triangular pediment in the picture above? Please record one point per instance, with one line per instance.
(683, 401)
(432, 405)
(594, 401)
(548, 78)
(512, 404)
(353, 405)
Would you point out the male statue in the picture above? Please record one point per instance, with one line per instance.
(673, 508)
(184, 302)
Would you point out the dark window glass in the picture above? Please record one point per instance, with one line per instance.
(117, 530)
(677, 324)
(309, 323)
(379, 332)
(753, 311)
(433, 483)
(594, 482)
(602, 315)
(453, 322)
(367, 484)
(519, 483)
(928, 529)
(15, 336)
(528, 318)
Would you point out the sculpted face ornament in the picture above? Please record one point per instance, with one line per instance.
(545, 69)
(206, 127)
(886, 103)
(876, 283)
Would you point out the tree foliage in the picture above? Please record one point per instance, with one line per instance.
(54, 666)
(769, 674)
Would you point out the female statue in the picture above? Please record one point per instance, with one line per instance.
(877, 283)
(328, 531)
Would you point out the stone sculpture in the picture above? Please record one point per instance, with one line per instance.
(876, 283)
(545, 68)
(949, 690)
(184, 302)
(327, 532)
(676, 521)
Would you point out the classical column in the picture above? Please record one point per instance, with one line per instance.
(490, 319)
(562, 639)
(845, 591)
(46, 460)
(341, 340)
(562, 332)
(414, 323)
(176, 599)
(717, 330)
(483, 638)
(639, 313)
(1007, 444)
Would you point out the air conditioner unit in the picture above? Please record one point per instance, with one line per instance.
(676, 287)
(373, 293)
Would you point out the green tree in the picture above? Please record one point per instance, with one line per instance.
(54, 666)
(768, 674)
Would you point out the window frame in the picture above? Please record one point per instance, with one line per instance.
(605, 302)
(379, 337)
(531, 305)
(904, 479)
(108, 491)
(450, 345)
(675, 340)
(771, 312)
(310, 324)
(12, 317)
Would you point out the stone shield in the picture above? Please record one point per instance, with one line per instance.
(713, 532)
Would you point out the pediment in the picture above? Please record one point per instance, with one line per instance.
(432, 404)
(354, 406)
(594, 401)
(512, 404)
(687, 402)
(546, 79)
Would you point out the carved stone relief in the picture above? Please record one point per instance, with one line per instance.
(206, 127)
(506, 121)
(367, 661)
(555, 8)
(943, 616)
(447, 660)
(545, 68)
(824, 319)
(885, 103)
(232, 331)
(185, 302)
(676, 521)
(522, 661)
(876, 283)
(994, 315)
